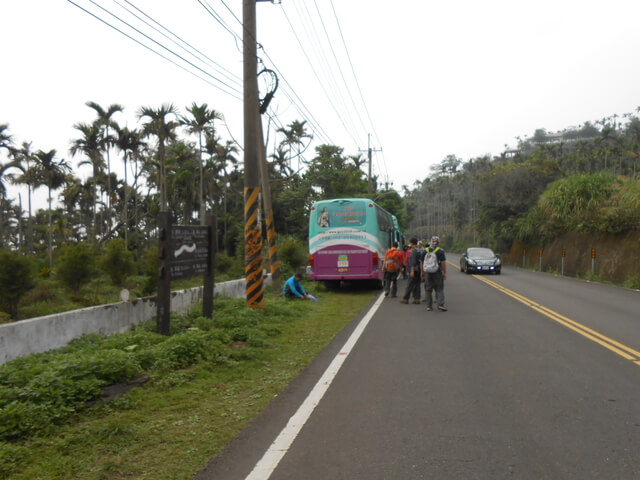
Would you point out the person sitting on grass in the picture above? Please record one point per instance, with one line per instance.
(293, 288)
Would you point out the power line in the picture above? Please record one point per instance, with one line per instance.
(151, 49)
(356, 77)
(226, 73)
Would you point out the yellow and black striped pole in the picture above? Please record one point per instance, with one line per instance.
(253, 248)
(254, 289)
(268, 209)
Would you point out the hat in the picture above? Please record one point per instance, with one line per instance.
(435, 241)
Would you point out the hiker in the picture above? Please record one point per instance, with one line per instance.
(406, 252)
(415, 273)
(434, 273)
(392, 266)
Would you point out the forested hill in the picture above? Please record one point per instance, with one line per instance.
(583, 180)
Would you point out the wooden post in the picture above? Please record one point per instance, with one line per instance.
(163, 300)
(209, 277)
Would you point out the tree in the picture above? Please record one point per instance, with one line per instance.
(163, 128)
(24, 157)
(129, 142)
(294, 136)
(91, 144)
(75, 265)
(6, 140)
(201, 123)
(103, 122)
(16, 279)
(3, 193)
(52, 173)
(117, 261)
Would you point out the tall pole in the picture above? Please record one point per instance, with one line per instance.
(254, 289)
(268, 211)
(369, 155)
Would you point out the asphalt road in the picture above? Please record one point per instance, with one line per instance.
(526, 376)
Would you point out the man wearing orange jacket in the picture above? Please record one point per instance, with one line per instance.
(393, 260)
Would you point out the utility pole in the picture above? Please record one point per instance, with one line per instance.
(369, 152)
(254, 288)
(268, 211)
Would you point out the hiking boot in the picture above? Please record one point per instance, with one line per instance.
(416, 302)
(429, 309)
(404, 300)
(386, 294)
(442, 308)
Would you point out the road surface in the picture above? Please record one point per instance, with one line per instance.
(526, 376)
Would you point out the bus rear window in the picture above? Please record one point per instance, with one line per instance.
(351, 214)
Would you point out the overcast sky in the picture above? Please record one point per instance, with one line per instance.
(426, 79)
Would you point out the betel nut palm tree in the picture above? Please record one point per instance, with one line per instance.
(24, 157)
(90, 144)
(200, 123)
(160, 125)
(129, 142)
(52, 173)
(105, 122)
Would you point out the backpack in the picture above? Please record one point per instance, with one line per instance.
(431, 264)
(390, 261)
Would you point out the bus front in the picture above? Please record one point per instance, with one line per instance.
(345, 241)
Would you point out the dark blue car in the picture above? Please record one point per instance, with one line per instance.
(480, 260)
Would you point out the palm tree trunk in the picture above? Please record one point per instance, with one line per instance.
(126, 203)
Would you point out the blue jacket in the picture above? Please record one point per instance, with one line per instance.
(294, 287)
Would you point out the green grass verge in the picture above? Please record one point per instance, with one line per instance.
(180, 419)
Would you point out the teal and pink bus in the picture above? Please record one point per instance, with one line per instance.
(348, 238)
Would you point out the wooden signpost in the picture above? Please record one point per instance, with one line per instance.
(184, 251)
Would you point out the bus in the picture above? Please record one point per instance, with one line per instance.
(348, 238)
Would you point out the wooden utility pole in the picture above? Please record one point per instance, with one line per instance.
(254, 289)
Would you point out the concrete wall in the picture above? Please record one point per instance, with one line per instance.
(40, 334)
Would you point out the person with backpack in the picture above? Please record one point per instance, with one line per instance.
(415, 268)
(405, 261)
(392, 267)
(434, 273)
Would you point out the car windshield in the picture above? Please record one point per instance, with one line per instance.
(480, 253)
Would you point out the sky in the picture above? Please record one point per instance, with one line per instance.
(416, 80)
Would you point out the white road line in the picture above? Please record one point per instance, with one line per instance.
(268, 463)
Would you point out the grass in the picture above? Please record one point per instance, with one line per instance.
(173, 425)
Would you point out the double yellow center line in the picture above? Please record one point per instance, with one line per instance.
(622, 350)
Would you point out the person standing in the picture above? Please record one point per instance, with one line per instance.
(392, 267)
(406, 252)
(434, 280)
(415, 277)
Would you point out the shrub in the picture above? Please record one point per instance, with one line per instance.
(117, 262)
(16, 278)
(150, 270)
(75, 265)
(293, 252)
(223, 262)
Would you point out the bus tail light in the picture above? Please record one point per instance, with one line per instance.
(312, 259)
(376, 259)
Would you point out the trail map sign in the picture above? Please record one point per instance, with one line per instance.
(184, 252)
(189, 251)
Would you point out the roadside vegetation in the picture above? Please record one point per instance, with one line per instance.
(583, 180)
(196, 389)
